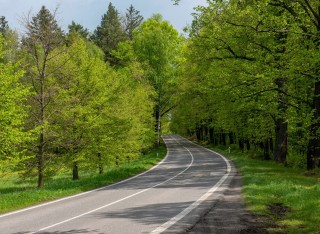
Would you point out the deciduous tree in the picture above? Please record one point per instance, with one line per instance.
(43, 36)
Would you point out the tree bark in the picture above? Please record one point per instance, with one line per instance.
(158, 124)
(248, 145)
(41, 161)
(266, 150)
(211, 135)
(231, 138)
(100, 164)
(75, 171)
(222, 138)
(198, 132)
(281, 141)
(41, 134)
(313, 150)
(241, 144)
(205, 132)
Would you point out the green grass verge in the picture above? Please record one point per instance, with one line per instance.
(16, 193)
(287, 196)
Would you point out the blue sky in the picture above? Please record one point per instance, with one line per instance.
(88, 12)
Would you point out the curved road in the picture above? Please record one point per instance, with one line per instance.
(169, 198)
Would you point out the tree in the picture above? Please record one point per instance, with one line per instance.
(230, 70)
(132, 21)
(305, 15)
(156, 44)
(78, 28)
(3, 25)
(10, 42)
(13, 95)
(103, 115)
(245, 59)
(42, 38)
(109, 33)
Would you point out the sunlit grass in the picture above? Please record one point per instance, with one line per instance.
(266, 182)
(16, 193)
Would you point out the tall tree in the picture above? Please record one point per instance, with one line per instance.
(42, 38)
(305, 15)
(109, 33)
(132, 20)
(157, 45)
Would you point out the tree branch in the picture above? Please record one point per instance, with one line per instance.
(315, 14)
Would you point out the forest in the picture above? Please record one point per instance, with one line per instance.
(245, 77)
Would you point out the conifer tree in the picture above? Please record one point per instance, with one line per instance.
(132, 20)
(3, 25)
(109, 33)
(78, 28)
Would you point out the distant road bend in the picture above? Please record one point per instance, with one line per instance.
(166, 199)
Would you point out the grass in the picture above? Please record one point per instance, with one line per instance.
(286, 196)
(16, 193)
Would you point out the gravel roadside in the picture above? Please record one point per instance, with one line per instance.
(229, 215)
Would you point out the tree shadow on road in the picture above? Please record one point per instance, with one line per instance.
(148, 214)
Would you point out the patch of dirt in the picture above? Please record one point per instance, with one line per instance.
(229, 215)
(313, 173)
(278, 210)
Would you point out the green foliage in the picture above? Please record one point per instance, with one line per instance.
(157, 46)
(12, 114)
(84, 113)
(251, 70)
(79, 29)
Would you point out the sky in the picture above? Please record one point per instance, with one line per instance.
(88, 13)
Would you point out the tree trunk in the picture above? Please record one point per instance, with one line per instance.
(266, 150)
(100, 164)
(231, 138)
(281, 141)
(75, 171)
(271, 144)
(41, 161)
(281, 126)
(222, 138)
(158, 124)
(241, 144)
(211, 135)
(41, 134)
(205, 133)
(313, 151)
(248, 145)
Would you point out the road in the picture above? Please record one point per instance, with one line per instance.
(169, 198)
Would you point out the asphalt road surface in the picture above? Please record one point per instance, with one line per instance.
(169, 198)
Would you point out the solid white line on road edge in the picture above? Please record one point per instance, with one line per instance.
(84, 193)
(186, 211)
(125, 198)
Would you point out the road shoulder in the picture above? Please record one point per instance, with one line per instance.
(229, 214)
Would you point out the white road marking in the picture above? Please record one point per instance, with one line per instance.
(84, 193)
(186, 211)
(125, 198)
